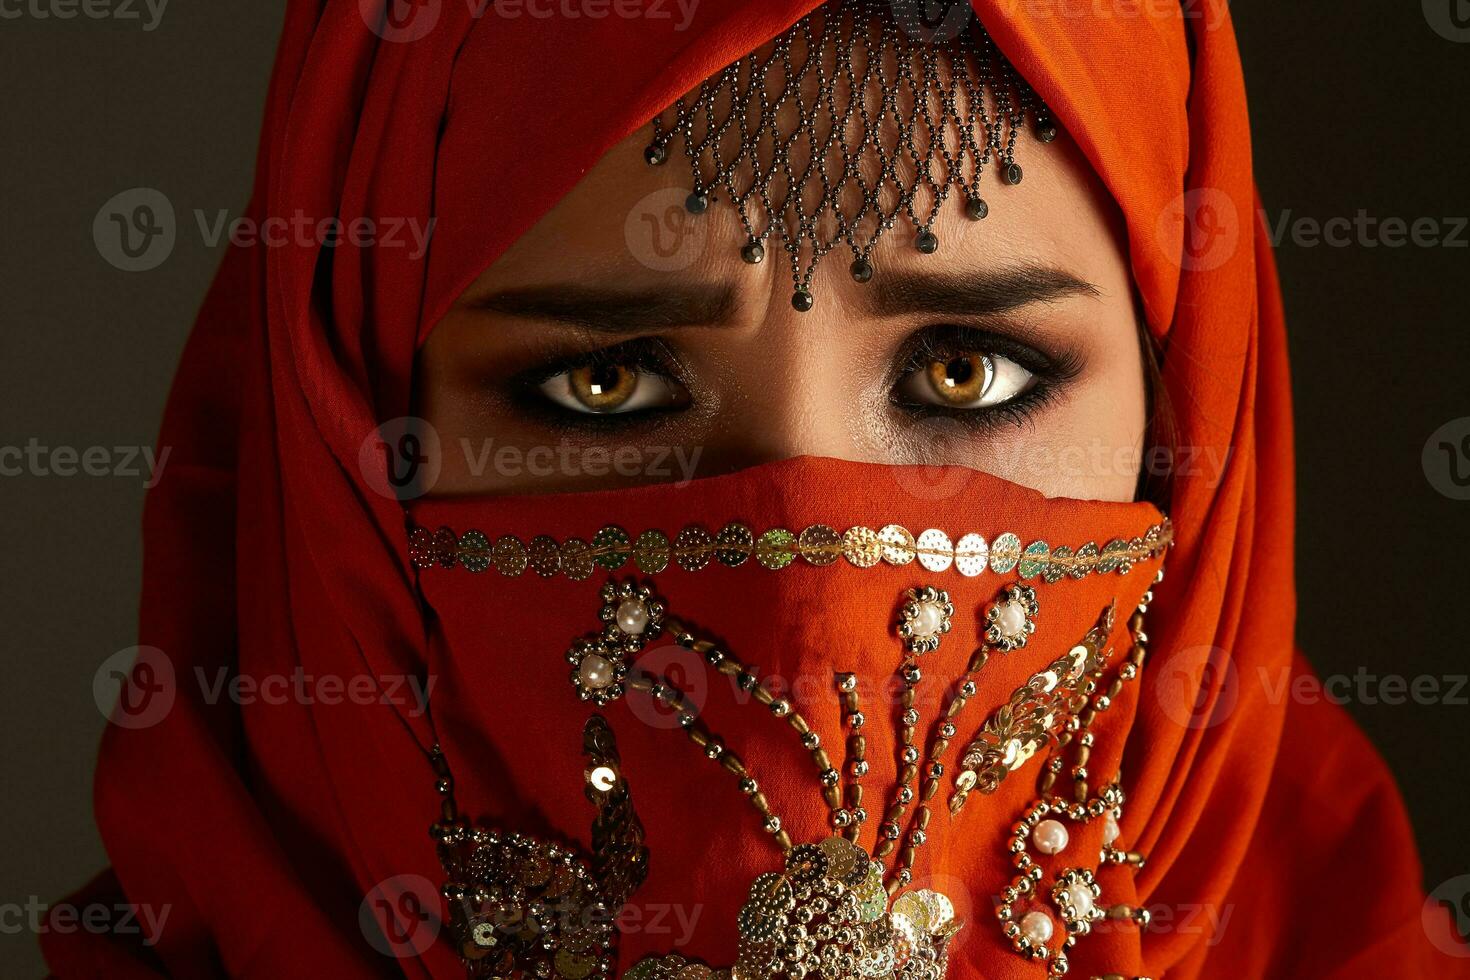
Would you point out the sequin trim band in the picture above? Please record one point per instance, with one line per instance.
(694, 548)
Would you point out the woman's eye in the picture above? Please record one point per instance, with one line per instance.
(968, 380)
(611, 389)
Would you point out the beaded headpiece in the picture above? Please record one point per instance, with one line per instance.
(862, 115)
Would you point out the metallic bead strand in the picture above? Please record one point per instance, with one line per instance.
(663, 690)
(745, 677)
(849, 820)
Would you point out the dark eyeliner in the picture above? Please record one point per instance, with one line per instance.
(1051, 371)
(646, 354)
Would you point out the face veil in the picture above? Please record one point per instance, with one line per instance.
(268, 550)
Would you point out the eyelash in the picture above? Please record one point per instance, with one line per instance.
(1051, 372)
(644, 353)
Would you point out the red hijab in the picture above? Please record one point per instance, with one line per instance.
(261, 828)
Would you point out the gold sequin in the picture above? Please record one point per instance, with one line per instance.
(509, 555)
(474, 551)
(735, 543)
(898, 545)
(610, 547)
(775, 549)
(820, 545)
(692, 548)
(576, 559)
(651, 552)
(861, 547)
(544, 556)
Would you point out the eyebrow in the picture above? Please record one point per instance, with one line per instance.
(615, 311)
(974, 293)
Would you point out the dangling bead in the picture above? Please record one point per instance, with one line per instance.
(862, 270)
(801, 300)
(655, 154)
(753, 253)
(1014, 173)
(697, 203)
(976, 208)
(927, 242)
(1046, 130)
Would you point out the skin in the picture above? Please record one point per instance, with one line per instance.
(1046, 272)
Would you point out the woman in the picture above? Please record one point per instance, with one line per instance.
(861, 684)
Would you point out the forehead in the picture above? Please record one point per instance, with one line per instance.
(626, 223)
(851, 127)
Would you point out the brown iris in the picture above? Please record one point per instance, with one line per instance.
(603, 387)
(961, 380)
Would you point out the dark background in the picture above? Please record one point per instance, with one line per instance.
(1356, 106)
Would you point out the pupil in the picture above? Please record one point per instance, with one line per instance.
(604, 378)
(958, 372)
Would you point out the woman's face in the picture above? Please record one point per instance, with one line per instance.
(623, 340)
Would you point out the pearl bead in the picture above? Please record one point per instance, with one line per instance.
(1037, 927)
(632, 616)
(1011, 619)
(1079, 896)
(1110, 829)
(927, 619)
(1050, 837)
(595, 672)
